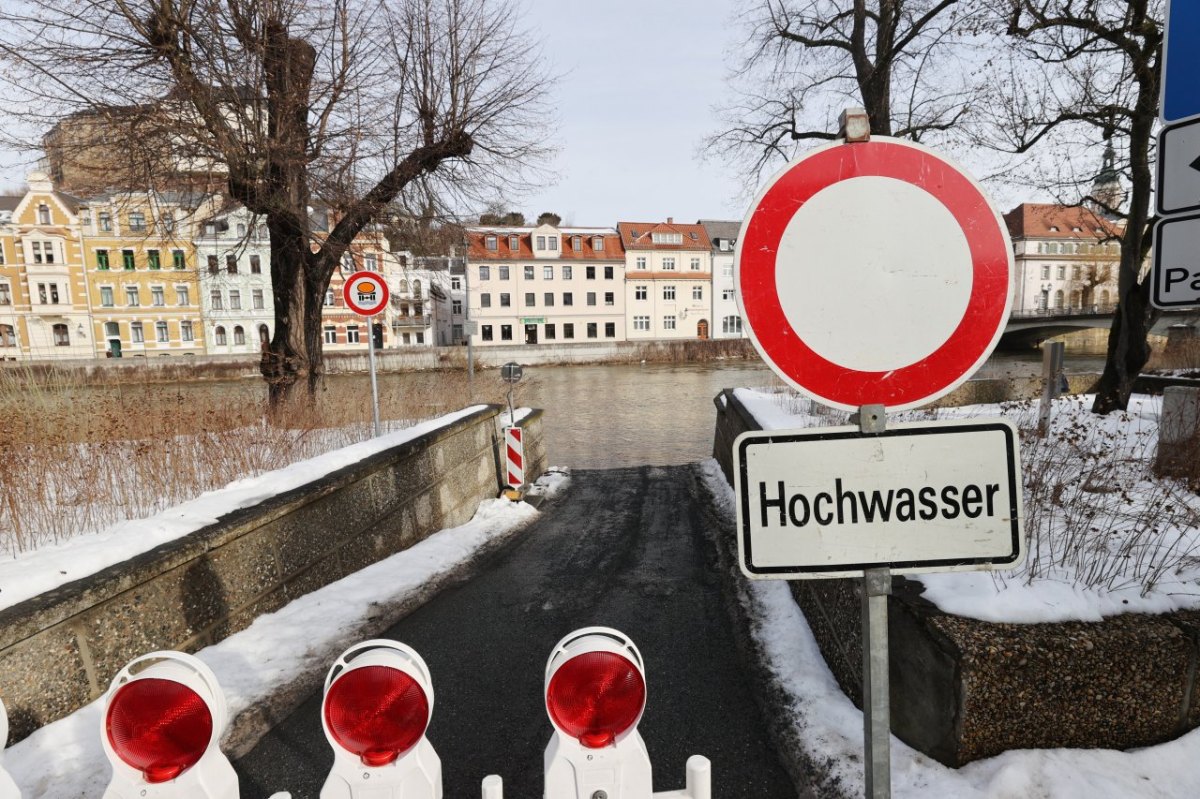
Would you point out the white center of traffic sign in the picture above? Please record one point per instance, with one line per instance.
(828, 284)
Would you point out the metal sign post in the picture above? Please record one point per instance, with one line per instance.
(374, 385)
(366, 294)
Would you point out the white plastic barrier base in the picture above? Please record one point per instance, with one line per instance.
(417, 775)
(698, 782)
(8, 788)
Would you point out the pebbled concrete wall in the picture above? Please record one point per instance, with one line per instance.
(964, 689)
(59, 651)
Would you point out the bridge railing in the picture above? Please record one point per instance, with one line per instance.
(1050, 313)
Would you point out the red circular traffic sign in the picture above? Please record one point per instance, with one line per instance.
(873, 273)
(365, 293)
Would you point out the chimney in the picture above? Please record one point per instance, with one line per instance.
(670, 220)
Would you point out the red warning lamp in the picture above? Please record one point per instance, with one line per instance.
(596, 696)
(377, 706)
(163, 718)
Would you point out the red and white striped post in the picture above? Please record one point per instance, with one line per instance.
(514, 457)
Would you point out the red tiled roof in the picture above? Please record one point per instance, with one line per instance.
(1036, 220)
(637, 236)
(478, 250)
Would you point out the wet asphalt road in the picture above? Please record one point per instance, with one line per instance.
(625, 548)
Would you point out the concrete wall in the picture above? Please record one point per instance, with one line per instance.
(59, 651)
(963, 689)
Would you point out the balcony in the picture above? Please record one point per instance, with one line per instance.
(416, 320)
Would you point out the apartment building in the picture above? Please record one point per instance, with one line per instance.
(233, 252)
(545, 285)
(727, 321)
(668, 280)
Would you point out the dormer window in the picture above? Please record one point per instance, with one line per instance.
(514, 243)
(598, 243)
(490, 243)
(1076, 230)
(1054, 228)
(43, 214)
(577, 243)
(666, 238)
(552, 241)
(541, 242)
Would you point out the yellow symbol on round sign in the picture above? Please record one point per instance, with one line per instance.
(367, 291)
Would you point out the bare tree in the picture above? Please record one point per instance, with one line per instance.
(803, 61)
(339, 108)
(1086, 75)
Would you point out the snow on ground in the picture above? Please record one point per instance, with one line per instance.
(1108, 537)
(64, 760)
(31, 573)
(829, 728)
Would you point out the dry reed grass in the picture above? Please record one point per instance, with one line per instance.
(77, 457)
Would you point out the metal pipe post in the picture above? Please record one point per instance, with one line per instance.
(371, 361)
(1052, 366)
(876, 697)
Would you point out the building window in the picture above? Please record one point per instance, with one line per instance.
(567, 272)
(530, 299)
(41, 287)
(486, 332)
(727, 270)
(547, 273)
(112, 330)
(255, 265)
(505, 300)
(37, 252)
(641, 323)
(504, 273)
(185, 331)
(456, 307)
(135, 333)
(177, 256)
(548, 299)
(181, 296)
(552, 242)
(62, 338)
(697, 292)
(102, 260)
(591, 298)
(608, 273)
(214, 266)
(731, 324)
(235, 300)
(529, 272)
(591, 330)
(668, 264)
(54, 294)
(640, 263)
(158, 296)
(131, 296)
(514, 243)
(456, 284)
(577, 243)
(152, 259)
(610, 329)
(485, 273)
(352, 334)
(1, 253)
(550, 331)
(609, 298)
(668, 322)
(231, 264)
(214, 299)
(219, 336)
(1062, 271)
(590, 272)
(506, 332)
(639, 292)
(598, 243)
(137, 221)
(695, 264)
(328, 298)
(8, 336)
(485, 300)
(568, 298)
(43, 214)
(256, 299)
(668, 292)
(105, 221)
(329, 332)
(127, 259)
(1045, 271)
(160, 332)
(541, 242)
(6, 294)
(727, 294)
(667, 238)
(569, 330)
(369, 262)
(490, 243)
(106, 296)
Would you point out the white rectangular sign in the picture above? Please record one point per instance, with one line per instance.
(1176, 265)
(1178, 189)
(919, 497)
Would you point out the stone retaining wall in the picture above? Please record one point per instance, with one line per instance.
(59, 651)
(963, 689)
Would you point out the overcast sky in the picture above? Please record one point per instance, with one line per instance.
(638, 83)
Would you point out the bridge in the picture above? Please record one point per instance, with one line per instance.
(1028, 328)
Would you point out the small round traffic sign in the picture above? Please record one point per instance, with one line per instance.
(365, 293)
(873, 273)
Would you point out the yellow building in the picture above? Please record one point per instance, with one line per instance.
(43, 293)
(142, 274)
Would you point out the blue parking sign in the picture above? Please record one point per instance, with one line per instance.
(1181, 61)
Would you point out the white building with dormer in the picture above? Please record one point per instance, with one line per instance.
(233, 254)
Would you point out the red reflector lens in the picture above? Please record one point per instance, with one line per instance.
(595, 697)
(377, 713)
(159, 727)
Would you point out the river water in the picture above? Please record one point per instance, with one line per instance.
(663, 414)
